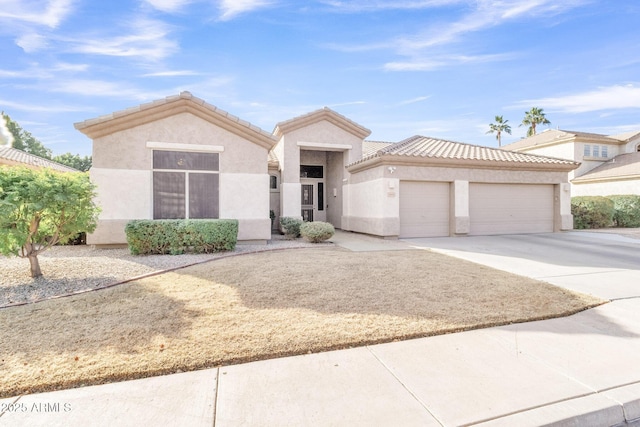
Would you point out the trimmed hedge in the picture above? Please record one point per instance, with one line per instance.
(626, 210)
(291, 226)
(177, 236)
(592, 212)
(317, 231)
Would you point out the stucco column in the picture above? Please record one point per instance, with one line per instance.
(461, 221)
(563, 207)
(291, 199)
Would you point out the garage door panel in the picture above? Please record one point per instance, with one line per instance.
(510, 208)
(424, 209)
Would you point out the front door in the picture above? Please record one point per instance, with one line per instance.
(313, 204)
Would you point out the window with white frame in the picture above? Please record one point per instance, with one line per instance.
(604, 151)
(185, 185)
(595, 151)
(587, 150)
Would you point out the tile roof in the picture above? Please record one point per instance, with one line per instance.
(421, 147)
(325, 113)
(553, 135)
(627, 136)
(12, 156)
(370, 147)
(624, 166)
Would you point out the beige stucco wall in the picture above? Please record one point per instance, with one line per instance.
(372, 195)
(122, 171)
(606, 188)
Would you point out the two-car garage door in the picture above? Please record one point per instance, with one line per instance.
(425, 208)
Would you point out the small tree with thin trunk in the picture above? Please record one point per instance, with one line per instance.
(40, 208)
(500, 125)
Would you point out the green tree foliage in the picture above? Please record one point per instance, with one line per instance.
(74, 161)
(498, 126)
(24, 141)
(532, 118)
(40, 208)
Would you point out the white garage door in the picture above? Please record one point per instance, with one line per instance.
(424, 209)
(510, 208)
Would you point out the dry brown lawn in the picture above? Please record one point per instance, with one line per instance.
(260, 306)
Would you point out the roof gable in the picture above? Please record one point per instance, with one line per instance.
(323, 114)
(185, 102)
(425, 150)
(558, 136)
(624, 166)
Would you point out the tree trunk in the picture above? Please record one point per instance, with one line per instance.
(35, 266)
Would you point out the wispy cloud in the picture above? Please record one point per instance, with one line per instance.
(356, 6)
(32, 42)
(176, 73)
(168, 5)
(412, 101)
(148, 40)
(40, 108)
(231, 8)
(48, 13)
(98, 88)
(435, 62)
(343, 104)
(605, 98)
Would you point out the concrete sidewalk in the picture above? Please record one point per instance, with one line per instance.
(581, 370)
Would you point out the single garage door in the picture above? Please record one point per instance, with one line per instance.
(424, 209)
(510, 208)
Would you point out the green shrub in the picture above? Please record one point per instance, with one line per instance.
(177, 236)
(626, 210)
(591, 212)
(317, 231)
(291, 226)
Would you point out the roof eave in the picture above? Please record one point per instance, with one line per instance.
(459, 163)
(154, 111)
(318, 116)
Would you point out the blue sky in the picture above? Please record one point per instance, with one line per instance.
(439, 68)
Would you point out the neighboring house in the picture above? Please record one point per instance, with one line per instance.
(610, 164)
(180, 157)
(13, 157)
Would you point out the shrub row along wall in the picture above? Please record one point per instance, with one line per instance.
(177, 236)
(601, 212)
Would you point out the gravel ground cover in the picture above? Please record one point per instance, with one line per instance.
(76, 269)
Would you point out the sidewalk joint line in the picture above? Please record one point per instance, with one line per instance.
(405, 387)
(215, 398)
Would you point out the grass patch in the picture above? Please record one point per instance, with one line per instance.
(261, 306)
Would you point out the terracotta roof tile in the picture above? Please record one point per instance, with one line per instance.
(17, 156)
(425, 147)
(370, 147)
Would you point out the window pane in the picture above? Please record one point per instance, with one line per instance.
(310, 171)
(596, 151)
(605, 151)
(185, 160)
(203, 195)
(168, 195)
(320, 196)
(273, 182)
(307, 194)
(587, 150)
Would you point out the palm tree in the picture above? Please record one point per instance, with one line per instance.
(498, 127)
(534, 117)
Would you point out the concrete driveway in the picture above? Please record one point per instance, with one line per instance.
(601, 264)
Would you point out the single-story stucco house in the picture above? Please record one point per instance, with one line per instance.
(12, 157)
(609, 164)
(180, 157)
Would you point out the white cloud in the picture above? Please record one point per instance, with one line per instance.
(355, 6)
(442, 61)
(168, 5)
(97, 88)
(32, 42)
(39, 108)
(413, 100)
(232, 8)
(148, 40)
(41, 12)
(605, 98)
(176, 73)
